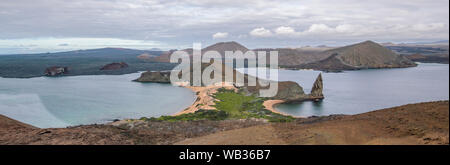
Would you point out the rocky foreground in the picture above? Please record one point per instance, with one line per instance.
(422, 123)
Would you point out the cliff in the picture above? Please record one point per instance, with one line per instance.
(290, 91)
(317, 88)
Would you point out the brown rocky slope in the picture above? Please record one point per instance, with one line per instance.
(422, 123)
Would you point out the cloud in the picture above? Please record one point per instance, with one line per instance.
(428, 27)
(319, 29)
(285, 30)
(241, 36)
(323, 31)
(179, 23)
(219, 35)
(54, 44)
(260, 32)
(346, 28)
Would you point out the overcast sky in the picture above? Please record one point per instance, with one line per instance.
(30, 26)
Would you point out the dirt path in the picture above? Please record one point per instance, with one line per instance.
(256, 135)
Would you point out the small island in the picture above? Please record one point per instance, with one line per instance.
(56, 71)
(208, 97)
(114, 66)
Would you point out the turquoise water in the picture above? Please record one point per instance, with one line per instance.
(353, 92)
(67, 101)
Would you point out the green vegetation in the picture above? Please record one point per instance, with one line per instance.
(241, 106)
(230, 105)
(199, 115)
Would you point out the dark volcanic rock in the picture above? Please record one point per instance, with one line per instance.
(56, 71)
(156, 77)
(290, 91)
(317, 88)
(114, 66)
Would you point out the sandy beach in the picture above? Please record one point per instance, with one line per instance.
(205, 99)
(270, 105)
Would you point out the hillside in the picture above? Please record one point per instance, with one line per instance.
(423, 123)
(365, 55)
(220, 47)
(286, 56)
(292, 57)
(435, 58)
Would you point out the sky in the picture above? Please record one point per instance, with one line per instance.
(30, 26)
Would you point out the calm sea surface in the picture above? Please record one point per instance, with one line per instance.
(353, 92)
(66, 101)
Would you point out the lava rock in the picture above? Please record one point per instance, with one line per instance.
(56, 71)
(156, 77)
(114, 66)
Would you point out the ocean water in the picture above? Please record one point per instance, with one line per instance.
(353, 92)
(66, 101)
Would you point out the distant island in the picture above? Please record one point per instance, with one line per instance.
(104, 61)
(428, 52)
(365, 55)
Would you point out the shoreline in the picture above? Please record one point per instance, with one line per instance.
(114, 74)
(206, 101)
(270, 105)
(204, 98)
